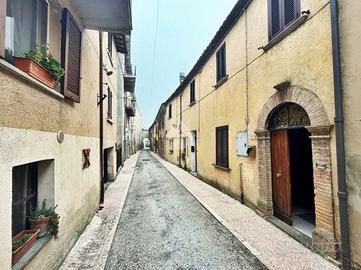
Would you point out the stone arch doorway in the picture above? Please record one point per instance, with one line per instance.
(318, 131)
(291, 166)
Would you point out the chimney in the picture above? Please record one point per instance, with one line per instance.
(182, 76)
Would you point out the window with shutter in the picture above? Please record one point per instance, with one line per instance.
(70, 58)
(110, 104)
(221, 63)
(193, 91)
(170, 111)
(2, 27)
(222, 147)
(281, 14)
(110, 44)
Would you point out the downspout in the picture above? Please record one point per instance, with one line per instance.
(340, 138)
(101, 135)
(180, 132)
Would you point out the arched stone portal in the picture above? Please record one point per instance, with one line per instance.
(324, 233)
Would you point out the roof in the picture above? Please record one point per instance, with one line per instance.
(227, 25)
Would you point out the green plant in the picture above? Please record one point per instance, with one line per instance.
(47, 212)
(19, 242)
(42, 56)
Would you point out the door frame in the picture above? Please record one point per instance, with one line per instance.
(193, 155)
(324, 235)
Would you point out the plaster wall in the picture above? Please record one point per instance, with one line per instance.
(350, 33)
(304, 58)
(75, 191)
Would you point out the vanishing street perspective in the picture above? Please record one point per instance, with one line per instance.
(157, 134)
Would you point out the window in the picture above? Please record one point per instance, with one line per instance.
(70, 56)
(110, 104)
(110, 44)
(193, 92)
(221, 63)
(222, 147)
(26, 26)
(25, 186)
(170, 111)
(171, 144)
(281, 14)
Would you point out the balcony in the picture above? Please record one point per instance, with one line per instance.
(107, 15)
(129, 83)
(130, 110)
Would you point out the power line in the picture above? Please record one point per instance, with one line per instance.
(155, 45)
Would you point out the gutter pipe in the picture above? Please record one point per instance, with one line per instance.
(340, 138)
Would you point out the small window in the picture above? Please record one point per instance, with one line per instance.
(193, 92)
(25, 187)
(110, 44)
(26, 26)
(171, 144)
(170, 111)
(110, 104)
(221, 63)
(222, 147)
(281, 14)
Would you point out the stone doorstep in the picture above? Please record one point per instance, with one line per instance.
(92, 248)
(173, 169)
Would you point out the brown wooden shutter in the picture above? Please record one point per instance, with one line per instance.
(70, 56)
(2, 27)
(110, 104)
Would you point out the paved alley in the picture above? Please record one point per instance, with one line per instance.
(163, 226)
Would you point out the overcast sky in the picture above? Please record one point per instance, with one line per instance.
(185, 28)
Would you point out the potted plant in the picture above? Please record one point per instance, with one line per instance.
(45, 219)
(40, 64)
(22, 242)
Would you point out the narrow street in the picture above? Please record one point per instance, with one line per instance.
(163, 226)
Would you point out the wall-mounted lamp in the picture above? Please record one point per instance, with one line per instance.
(107, 71)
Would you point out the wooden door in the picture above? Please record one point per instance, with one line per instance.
(281, 177)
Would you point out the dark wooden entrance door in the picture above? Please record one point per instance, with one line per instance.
(281, 176)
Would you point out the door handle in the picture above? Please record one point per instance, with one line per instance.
(279, 174)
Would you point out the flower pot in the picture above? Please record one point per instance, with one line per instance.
(35, 70)
(17, 254)
(41, 223)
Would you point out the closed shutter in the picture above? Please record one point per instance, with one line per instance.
(290, 11)
(110, 104)
(70, 56)
(222, 147)
(275, 17)
(2, 27)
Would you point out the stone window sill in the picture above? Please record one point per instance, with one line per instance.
(221, 168)
(22, 75)
(220, 82)
(291, 28)
(35, 249)
(110, 121)
(192, 103)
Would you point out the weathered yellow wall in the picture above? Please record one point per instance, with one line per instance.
(29, 120)
(350, 32)
(304, 58)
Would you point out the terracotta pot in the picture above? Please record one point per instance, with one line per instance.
(40, 223)
(34, 70)
(17, 254)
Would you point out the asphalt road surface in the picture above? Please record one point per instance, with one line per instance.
(163, 226)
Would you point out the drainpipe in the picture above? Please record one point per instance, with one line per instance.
(340, 138)
(180, 132)
(101, 117)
